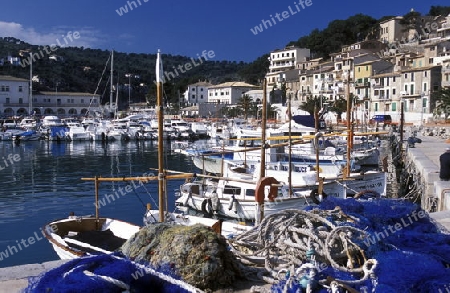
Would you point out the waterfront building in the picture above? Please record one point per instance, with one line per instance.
(14, 96)
(197, 93)
(65, 104)
(228, 92)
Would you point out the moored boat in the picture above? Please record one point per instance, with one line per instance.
(75, 236)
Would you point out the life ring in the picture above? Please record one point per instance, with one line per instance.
(207, 207)
(367, 194)
(314, 195)
(260, 187)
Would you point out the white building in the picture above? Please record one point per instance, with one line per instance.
(255, 95)
(197, 93)
(391, 30)
(285, 60)
(14, 96)
(228, 92)
(65, 104)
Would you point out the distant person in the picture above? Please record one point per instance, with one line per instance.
(444, 161)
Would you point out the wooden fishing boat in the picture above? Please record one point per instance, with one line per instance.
(76, 236)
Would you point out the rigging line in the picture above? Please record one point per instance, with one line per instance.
(101, 77)
(151, 197)
(137, 195)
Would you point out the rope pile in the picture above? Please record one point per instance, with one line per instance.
(380, 245)
(295, 238)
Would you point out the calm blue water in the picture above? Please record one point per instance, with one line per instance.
(41, 182)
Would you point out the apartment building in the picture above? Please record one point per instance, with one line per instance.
(284, 60)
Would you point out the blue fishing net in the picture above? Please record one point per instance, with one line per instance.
(413, 254)
(84, 275)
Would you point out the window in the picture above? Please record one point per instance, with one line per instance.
(82, 101)
(20, 101)
(201, 89)
(393, 79)
(201, 97)
(406, 75)
(412, 76)
(20, 88)
(193, 89)
(193, 97)
(412, 90)
(424, 86)
(425, 73)
(394, 91)
(7, 101)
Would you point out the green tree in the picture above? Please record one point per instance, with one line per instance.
(442, 100)
(311, 104)
(439, 10)
(339, 106)
(410, 20)
(245, 105)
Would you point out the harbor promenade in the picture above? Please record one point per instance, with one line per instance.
(422, 161)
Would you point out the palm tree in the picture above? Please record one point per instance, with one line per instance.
(245, 104)
(442, 100)
(310, 105)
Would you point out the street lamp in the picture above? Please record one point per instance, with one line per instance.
(129, 75)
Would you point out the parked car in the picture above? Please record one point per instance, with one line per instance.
(381, 119)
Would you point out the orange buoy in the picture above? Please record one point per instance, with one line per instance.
(260, 186)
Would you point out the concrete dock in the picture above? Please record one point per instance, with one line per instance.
(423, 157)
(15, 279)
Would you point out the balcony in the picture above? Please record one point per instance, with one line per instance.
(362, 84)
(414, 94)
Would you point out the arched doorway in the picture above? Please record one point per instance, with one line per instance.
(73, 112)
(48, 111)
(8, 112)
(22, 112)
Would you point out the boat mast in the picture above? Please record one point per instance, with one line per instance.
(159, 105)
(111, 84)
(349, 126)
(30, 95)
(262, 170)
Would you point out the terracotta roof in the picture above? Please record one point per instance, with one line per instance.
(233, 84)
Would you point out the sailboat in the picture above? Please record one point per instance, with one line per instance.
(226, 228)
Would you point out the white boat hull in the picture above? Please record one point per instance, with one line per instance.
(60, 235)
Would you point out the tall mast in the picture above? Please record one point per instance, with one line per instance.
(112, 84)
(30, 98)
(159, 105)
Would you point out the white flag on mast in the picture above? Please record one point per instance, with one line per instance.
(159, 68)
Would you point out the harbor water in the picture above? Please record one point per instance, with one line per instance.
(41, 182)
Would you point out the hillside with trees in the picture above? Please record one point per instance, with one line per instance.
(86, 70)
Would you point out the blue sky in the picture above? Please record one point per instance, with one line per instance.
(184, 27)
